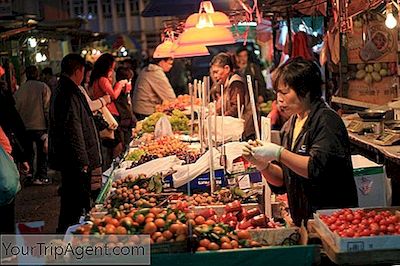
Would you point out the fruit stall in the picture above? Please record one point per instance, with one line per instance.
(190, 190)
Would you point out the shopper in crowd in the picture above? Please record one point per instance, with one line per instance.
(233, 84)
(124, 106)
(313, 165)
(246, 67)
(74, 147)
(152, 87)
(32, 102)
(49, 78)
(101, 82)
(14, 141)
(86, 79)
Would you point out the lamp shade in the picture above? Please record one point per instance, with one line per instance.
(180, 51)
(164, 50)
(218, 19)
(206, 36)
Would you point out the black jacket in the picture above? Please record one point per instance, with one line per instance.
(73, 138)
(330, 184)
(12, 124)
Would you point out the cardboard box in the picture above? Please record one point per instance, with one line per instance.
(355, 244)
(372, 184)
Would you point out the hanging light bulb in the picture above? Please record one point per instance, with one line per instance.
(180, 51)
(218, 18)
(206, 33)
(164, 50)
(390, 21)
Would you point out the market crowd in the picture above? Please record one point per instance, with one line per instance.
(79, 122)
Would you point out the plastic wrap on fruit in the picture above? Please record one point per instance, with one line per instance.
(252, 212)
(227, 217)
(207, 213)
(234, 206)
(259, 220)
(214, 218)
(242, 214)
(245, 224)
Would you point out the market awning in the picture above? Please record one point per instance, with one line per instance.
(116, 41)
(157, 8)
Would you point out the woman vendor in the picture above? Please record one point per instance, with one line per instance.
(222, 73)
(313, 165)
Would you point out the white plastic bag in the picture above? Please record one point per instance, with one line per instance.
(163, 128)
(232, 130)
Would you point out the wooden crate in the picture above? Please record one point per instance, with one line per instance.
(368, 257)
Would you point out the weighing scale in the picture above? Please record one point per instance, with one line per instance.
(363, 126)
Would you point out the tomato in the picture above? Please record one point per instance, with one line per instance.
(355, 221)
(391, 229)
(349, 217)
(383, 228)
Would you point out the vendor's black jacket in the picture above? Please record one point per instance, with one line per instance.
(330, 184)
(73, 138)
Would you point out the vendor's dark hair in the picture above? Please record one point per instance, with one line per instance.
(70, 63)
(222, 59)
(101, 67)
(241, 49)
(303, 76)
(47, 71)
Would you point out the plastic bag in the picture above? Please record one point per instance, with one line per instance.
(163, 128)
(232, 130)
(9, 178)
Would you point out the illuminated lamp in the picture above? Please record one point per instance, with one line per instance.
(218, 18)
(205, 33)
(164, 50)
(180, 51)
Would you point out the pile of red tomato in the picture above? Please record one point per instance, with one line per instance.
(359, 223)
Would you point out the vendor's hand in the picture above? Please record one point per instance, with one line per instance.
(267, 151)
(247, 153)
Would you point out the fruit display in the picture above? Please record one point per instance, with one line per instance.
(181, 102)
(222, 196)
(373, 72)
(162, 147)
(361, 223)
(265, 108)
(220, 236)
(163, 225)
(179, 123)
(133, 192)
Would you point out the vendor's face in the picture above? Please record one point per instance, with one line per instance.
(220, 74)
(288, 100)
(166, 65)
(242, 57)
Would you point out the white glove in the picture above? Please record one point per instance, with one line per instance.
(267, 152)
(247, 153)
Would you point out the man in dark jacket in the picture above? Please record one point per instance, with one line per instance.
(74, 147)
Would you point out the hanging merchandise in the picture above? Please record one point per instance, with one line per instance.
(300, 46)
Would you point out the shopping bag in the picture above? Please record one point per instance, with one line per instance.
(163, 128)
(9, 178)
